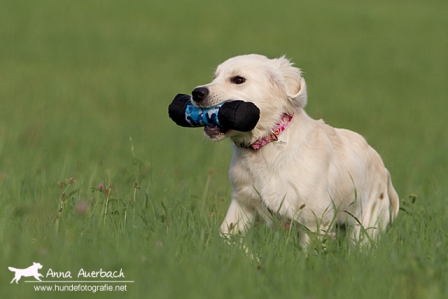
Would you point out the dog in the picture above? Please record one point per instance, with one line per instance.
(30, 271)
(291, 165)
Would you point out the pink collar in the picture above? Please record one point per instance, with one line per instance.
(279, 128)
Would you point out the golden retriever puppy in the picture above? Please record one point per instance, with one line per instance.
(292, 165)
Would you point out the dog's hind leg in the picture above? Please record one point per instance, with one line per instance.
(376, 216)
(394, 200)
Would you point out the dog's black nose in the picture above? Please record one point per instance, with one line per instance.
(200, 93)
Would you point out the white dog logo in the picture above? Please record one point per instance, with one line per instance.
(30, 271)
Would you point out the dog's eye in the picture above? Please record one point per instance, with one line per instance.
(238, 80)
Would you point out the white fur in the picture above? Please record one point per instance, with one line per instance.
(314, 174)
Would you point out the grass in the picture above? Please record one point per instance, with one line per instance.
(78, 79)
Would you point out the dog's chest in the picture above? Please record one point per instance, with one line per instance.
(268, 178)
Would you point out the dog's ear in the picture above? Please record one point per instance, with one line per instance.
(300, 98)
(290, 80)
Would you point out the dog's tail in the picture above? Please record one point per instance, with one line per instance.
(394, 200)
(12, 269)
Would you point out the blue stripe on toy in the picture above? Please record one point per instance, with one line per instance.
(199, 117)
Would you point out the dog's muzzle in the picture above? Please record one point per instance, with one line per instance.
(199, 94)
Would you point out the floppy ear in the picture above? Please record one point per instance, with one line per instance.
(301, 98)
(291, 81)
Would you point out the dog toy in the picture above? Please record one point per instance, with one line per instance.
(235, 115)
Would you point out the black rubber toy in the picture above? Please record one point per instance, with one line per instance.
(233, 115)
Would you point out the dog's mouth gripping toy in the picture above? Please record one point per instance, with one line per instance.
(233, 115)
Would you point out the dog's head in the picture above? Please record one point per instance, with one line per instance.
(275, 86)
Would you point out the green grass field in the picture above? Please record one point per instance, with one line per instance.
(78, 79)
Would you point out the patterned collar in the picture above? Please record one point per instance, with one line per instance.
(279, 128)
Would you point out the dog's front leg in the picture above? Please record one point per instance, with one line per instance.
(238, 219)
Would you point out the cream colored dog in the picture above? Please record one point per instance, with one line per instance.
(292, 165)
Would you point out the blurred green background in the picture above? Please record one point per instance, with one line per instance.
(79, 78)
